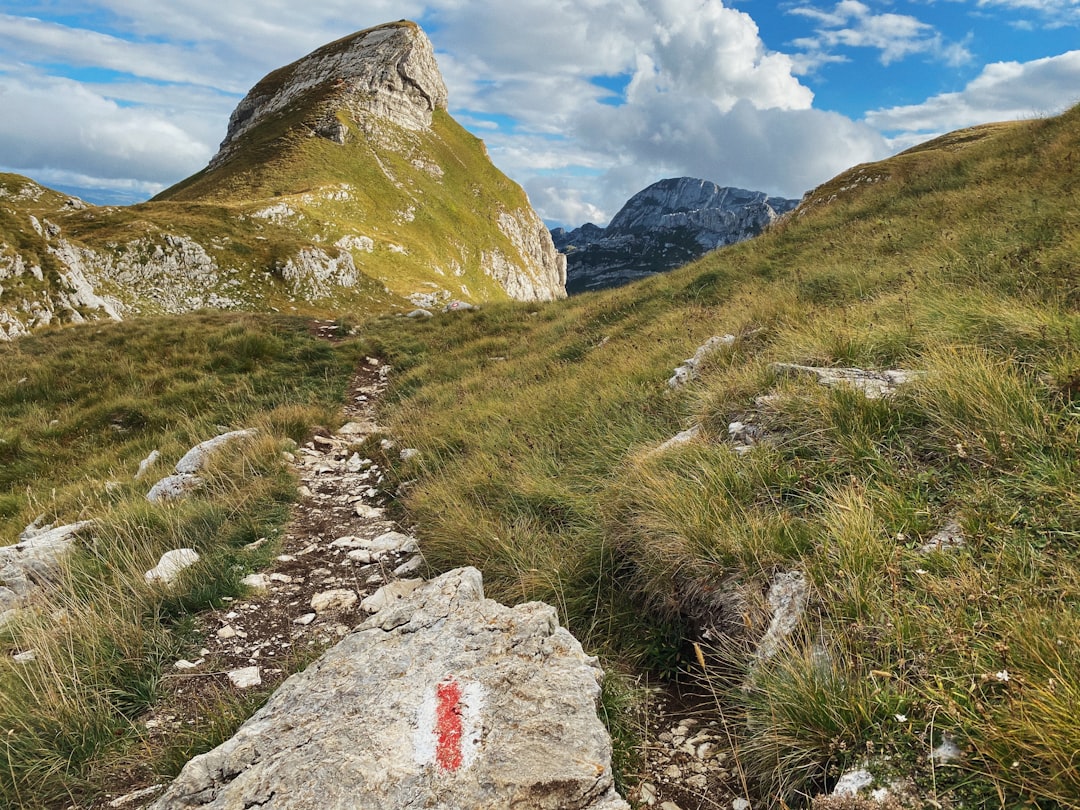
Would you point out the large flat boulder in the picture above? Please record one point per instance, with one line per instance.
(443, 699)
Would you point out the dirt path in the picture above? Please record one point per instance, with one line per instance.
(337, 549)
(332, 557)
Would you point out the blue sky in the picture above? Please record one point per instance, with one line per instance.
(583, 103)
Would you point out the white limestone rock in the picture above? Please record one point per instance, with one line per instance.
(245, 677)
(34, 561)
(147, 463)
(873, 384)
(687, 371)
(685, 437)
(388, 72)
(389, 594)
(337, 599)
(184, 479)
(950, 538)
(171, 565)
(788, 596)
(445, 699)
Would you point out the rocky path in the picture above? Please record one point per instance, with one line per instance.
(341, 558)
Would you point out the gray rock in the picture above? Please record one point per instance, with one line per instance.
(788, 596)
(245, 678)
(873, 384)
(420, 313)
(337, 599)
(34, 561)
(443, 700)
(388, 72)
(390, 594)
(949, 538)
(458, 306)
(688, 369)
(679, 439)
(184, 479)
(666, 225)
(171, 565)
(948, 751)
(147, 463)
(852, 782)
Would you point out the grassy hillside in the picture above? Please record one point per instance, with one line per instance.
(537, 426)
(957, 259)
(81, 408)
(286, 221)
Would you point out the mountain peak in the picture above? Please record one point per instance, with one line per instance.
(663, 226)
(388, 71)
(673, 201)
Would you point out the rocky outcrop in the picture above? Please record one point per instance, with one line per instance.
(441, 699)
(873, 384)
(387, 72)
(411, 205)
(185, 477)
(546, 280)
(666, 225)
(33, 562)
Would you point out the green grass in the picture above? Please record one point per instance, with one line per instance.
(81, 407)
(536, 428)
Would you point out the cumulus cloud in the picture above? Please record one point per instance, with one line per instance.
(699, 93)
(1002, 91)
(1053, 13)
(699, 82)
(59, 124)
(852, 24)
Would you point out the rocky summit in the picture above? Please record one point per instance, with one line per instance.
(662, 227)
(342, 186)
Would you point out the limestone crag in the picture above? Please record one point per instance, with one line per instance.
(343, 185)
(664, 226)
(388, 72)
(441, 699)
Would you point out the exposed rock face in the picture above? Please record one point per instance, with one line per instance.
(388, 71)
(666, 225)
(32, 562)
(874, 384)
(185, 476)
(442, 699)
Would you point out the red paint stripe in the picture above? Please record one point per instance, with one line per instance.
(448, 725)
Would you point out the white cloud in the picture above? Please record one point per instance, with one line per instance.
(59, 124)
(852, 24)
(1002, 91)
(34, 40)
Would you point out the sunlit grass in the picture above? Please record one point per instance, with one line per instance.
(82, 407)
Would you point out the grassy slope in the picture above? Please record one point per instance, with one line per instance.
(959, 259)
(455, 213)
(535, 424)
(81, 408)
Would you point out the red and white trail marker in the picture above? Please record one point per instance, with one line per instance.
(449, 725)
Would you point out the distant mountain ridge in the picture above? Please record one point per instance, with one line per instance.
(662, 227)
(342, 186)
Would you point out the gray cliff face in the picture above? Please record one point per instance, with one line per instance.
(388, 72)
(666, 225)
